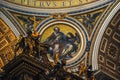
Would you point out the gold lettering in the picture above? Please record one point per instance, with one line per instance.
(86, 0)
(80, 1)
(42, 4)
(28, 2)
(21, 2)
(54, 4)
(51, 3)
(24, 2)
(48, 3)
(63, 3)
(70, 2)
(34, 3)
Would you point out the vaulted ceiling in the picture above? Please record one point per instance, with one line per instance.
(109, 50)
(96, 21)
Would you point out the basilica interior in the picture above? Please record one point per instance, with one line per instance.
(59, 39)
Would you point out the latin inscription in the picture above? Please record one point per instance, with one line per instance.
(51, 3)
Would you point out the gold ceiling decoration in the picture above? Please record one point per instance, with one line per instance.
(7, 42)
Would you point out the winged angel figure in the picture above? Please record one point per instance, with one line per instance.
(89, 19)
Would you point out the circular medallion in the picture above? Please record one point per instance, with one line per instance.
(65, 41)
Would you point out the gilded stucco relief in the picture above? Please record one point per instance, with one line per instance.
(7, 41)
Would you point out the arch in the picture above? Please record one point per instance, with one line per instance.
(10, 24)
(77, 26)
(99, 36)
(47, 12)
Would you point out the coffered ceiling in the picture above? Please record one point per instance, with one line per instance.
(109, 50)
